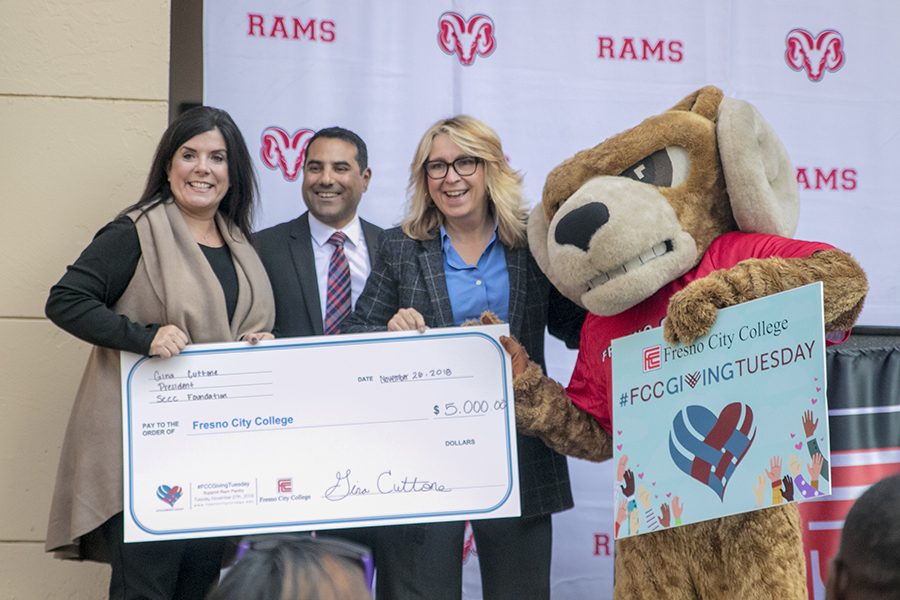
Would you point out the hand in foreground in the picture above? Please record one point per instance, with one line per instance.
(407, 319)
(169, 341)
(256, 337)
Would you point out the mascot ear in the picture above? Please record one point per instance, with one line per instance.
(759, 175)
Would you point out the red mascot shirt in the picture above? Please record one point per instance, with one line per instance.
(589, 387)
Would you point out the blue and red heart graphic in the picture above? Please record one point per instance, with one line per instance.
(709, 448)
(169, 495)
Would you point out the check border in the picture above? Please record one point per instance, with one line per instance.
(320, 341)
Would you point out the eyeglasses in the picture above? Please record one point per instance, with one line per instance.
(355, 553)
(464, 165)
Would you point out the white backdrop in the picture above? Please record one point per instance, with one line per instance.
(556, 77)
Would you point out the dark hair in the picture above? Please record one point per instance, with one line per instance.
(293, 567)
(868, 561)
(339, 133)
(240, 199)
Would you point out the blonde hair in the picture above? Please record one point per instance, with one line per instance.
(504, 185)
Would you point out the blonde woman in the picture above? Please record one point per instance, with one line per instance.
(462, 250)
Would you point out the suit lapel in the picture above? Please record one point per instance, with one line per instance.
(431, 261)
(372, 235)
(305, 267)
(517, 267)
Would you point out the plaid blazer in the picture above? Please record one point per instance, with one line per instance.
(410, 273)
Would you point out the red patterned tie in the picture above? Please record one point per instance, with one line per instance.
(337, 301)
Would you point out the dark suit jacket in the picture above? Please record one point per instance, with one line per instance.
(410, 273)
(287, 253)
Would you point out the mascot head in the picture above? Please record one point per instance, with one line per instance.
(622, 219)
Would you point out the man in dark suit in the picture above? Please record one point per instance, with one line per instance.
(297, 253)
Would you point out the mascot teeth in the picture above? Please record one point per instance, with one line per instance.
(655, 252)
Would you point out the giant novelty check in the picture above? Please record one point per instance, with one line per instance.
(319, 433)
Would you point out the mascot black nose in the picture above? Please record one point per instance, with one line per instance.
(577, 227)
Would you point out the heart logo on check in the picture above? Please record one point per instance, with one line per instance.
(169, 495)
(709, 448)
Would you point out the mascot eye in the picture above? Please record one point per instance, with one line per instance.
(664, 168)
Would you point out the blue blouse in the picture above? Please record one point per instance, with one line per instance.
(476, 288)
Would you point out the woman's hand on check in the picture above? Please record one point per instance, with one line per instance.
(256, 337)
(407, 319)
(168, 341)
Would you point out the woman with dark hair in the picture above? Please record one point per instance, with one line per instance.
(174, 268)
(460, 251)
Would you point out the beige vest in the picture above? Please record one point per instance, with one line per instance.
(173, 284)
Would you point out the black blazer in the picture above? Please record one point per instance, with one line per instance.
(410, 273)
(287, 253)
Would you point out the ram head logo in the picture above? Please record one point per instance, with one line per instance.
(471, 38)
(815, 55)
(285, 152)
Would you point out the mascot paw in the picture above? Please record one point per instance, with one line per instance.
(692, 311)
(486, 318)
(518, 356)
(530, 405)
(489, 318)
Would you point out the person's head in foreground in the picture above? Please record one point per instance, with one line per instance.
(297, 567)
(867, 566)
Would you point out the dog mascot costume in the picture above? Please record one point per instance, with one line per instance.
(689, 212)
